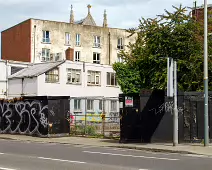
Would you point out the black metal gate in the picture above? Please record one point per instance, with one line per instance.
(139, 121)
(150, 118)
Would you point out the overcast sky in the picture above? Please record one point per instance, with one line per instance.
(121, 13)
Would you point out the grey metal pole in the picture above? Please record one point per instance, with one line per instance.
(206, 128)
(175, 116)
(170, 64)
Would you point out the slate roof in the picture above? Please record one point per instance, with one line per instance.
(35, 70)
(88, 20)
(80, 21)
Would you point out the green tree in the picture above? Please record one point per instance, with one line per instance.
(175, 35)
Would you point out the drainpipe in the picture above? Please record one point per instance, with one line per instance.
(34, 43)
(6, 93)
(22, 87)
(109, 47)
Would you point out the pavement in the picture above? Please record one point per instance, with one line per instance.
(27, 155)
(187, 148)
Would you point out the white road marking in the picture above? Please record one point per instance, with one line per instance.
(1, 168)
(143, 169)
(119, 149)
(197, 156)
(61, 160)
(86, 147)
(134, 156)
(1, 153)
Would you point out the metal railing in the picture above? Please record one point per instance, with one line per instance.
(95, 125)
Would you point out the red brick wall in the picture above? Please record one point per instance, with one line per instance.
(16, 42)
(199, 13)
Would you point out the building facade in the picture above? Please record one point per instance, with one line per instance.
(66, 79)
(198, 12)
(91, 87)
(38, 41)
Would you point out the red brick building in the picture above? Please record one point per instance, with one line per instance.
(16, 42)
(198, 12)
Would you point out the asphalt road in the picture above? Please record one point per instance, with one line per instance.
(15, 155)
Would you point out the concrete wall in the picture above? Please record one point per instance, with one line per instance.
(16, 42)
(27, 86)
(57, 40)
(5, 70)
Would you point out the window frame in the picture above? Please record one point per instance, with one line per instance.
(112, 104)
(95, 58)
(120, 43)
(70, 75)
(67, 38)
(45, 57)
(77, 56)
(96, 75)
(45, 39)
(97, 41)
(78, 38)
(110, 79)
(52, 75)
(78, 104)
(90, 103)
(100, 105)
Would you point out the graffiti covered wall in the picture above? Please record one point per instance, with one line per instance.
(24, 117)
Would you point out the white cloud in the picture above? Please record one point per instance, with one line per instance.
(121, 13)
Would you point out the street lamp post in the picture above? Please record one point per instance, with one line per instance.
(206, 128)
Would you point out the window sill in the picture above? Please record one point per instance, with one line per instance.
(46, 42)
(50, 82)
(97, 47)
(90, 111)
(77, 45)
(113, 111)
(67, 44)
(112, 86)
(73, 83)
(94, 85)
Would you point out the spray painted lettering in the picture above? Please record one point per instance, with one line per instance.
(114, 117)
(167, 107)
(24, 117)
